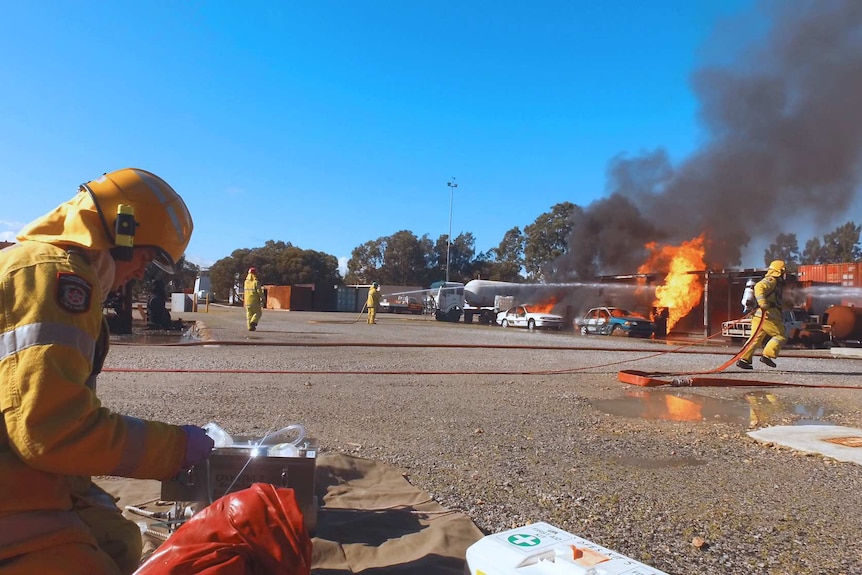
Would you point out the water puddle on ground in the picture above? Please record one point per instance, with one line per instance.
(756, 408)
(158, 337)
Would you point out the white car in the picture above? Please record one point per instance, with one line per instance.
(524, 316)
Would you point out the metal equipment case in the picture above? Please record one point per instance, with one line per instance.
(217, 476)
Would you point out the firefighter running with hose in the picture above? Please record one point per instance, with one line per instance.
(55, 433)
(767, 292)
(252, 294)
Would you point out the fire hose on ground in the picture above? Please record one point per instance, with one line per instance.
(631, 377)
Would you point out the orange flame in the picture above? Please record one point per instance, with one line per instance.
(546, 306)
(681, 291)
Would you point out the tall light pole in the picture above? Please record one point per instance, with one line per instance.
(452, 185)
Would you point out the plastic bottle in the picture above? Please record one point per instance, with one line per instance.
(283, 450)
(280, 447)
(220, 437)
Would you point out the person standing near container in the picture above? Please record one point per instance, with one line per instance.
(373, 302)
(158, 316)
(253, 296)
(767, 318)
(55, 434)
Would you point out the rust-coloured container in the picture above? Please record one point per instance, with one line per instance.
(812, 273)
(846, 274)
(843, 274)
(294, 298)
(846, 322)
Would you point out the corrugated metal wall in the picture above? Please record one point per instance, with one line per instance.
(351, 298)
(847, 274)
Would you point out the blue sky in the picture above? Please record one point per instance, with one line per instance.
(327, 124)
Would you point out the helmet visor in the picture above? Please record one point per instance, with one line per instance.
(164, 261)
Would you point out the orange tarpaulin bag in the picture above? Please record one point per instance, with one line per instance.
(255, 531)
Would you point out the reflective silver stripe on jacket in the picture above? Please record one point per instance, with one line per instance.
(34, 334)
(134, 449)
(20, 527)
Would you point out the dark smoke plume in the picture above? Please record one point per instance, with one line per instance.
(784, 144)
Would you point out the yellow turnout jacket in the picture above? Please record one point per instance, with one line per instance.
(52, 341)
(252, 294)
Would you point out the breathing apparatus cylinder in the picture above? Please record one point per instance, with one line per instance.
(749, 301)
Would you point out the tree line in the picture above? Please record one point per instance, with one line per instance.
(838, 246)
(405, 259)
(408, 260)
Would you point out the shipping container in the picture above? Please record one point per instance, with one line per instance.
(323, 297)
(846, 274)
(812, 273)
(351, 298)
(295, 298)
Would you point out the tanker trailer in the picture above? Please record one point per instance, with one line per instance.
(452, 300)
(845, 322)
(486, 298)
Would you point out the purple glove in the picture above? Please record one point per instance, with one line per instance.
(198, 446)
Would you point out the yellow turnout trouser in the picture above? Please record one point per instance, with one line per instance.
(772, 329)
(66, 559)
(115, 542)
(253, 313)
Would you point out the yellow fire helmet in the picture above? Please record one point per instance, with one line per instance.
(120, 210)
(777, 269)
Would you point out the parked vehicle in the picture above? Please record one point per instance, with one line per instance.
(203, 288)
(401, 304)
(483, 299)
(614, 321)
(449, 301)
(524, 316)
(801, 326)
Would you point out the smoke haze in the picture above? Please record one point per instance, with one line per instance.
(783, 125)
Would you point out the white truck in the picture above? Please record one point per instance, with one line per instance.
(203, 287)
(483, 299)
(802, 327)
(450, 301)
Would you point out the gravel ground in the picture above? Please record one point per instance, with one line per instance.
(493, 432)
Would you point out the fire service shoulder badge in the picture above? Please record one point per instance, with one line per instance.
(73, 292)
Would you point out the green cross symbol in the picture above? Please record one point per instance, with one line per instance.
(524, 540)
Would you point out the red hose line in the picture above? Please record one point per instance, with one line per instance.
(632, 377)
(391, 344)
(324, 372)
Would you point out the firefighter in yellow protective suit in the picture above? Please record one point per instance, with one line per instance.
(55, 433)
(252, 295)
(373, 302)
(767, 292)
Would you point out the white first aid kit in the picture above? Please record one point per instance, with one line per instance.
(542, 549)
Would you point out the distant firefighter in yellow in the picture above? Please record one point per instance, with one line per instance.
(768, 294)
(373, 302)
(253, 298)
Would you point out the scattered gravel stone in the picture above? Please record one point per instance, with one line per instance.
(541, 430)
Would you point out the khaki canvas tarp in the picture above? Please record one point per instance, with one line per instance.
(371, 520)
